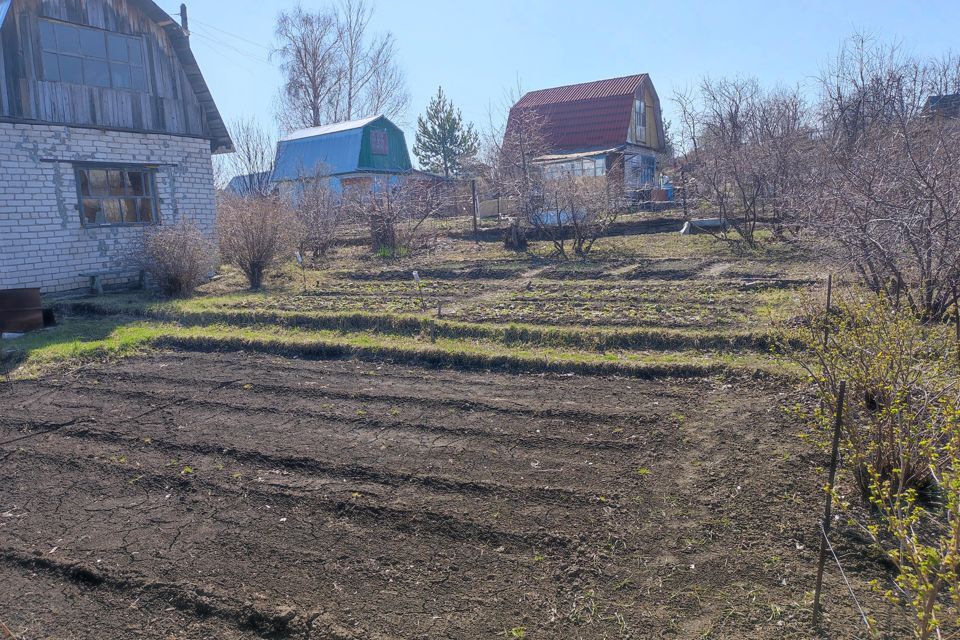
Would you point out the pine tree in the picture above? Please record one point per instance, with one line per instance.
(442, 142)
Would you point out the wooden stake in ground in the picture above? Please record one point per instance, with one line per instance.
(828, 508)
(826, 318)
(476, 208)
(956, 317)
(7, 634)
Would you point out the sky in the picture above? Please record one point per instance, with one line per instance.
(481, 51)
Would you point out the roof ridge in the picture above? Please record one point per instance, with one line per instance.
(332, 127)
(580, 84)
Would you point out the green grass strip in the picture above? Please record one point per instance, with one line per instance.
(119, 335)
(599, 340)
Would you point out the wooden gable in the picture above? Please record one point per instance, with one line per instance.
(167, 102)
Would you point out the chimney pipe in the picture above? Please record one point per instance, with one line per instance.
(183, 20)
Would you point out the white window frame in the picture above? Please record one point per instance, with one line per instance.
(640, 120)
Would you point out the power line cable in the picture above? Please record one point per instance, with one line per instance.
(225, 45)
(232, 35)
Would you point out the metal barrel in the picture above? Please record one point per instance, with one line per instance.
(20, 310)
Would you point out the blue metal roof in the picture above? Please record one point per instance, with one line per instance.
(330, 153)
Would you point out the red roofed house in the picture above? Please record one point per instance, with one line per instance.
(590, 128)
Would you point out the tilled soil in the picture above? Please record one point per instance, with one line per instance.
(191, 495)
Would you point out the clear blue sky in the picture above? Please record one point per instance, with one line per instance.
(478, 50)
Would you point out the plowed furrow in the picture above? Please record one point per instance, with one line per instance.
(257, 401)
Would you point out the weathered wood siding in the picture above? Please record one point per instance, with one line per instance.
(654, 118)
(168, 105)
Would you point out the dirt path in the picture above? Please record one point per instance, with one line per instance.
(234, 496)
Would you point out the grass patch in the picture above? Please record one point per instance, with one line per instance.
(74, 341)
(119, 335)
(223, 311)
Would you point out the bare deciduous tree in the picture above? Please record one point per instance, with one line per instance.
(253, 158)
(744, 149)
(890, 194)
(517, 176)
(335, 69)
(307, 50)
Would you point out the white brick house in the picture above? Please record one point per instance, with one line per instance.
(106, 128)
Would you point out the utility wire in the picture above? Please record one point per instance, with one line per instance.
(212, 37)
(227, 49)
(232, 35)
(863, 615)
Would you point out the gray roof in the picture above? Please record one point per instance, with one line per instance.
(336, 127)
(249, 183)
(945, 105)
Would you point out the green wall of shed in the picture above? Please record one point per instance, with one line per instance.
(397, 158)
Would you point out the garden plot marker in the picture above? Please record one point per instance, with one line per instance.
(303, 270)
(416, 278)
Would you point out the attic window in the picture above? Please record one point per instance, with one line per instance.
(378, 142)
(640, 111)
(93, 57)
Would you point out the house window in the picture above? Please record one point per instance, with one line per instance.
(97, 58)
(378, 142)
(641, 114)
(116, 196)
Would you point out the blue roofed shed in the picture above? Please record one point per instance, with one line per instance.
(347, 152)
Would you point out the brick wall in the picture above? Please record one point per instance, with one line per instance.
(42, 241)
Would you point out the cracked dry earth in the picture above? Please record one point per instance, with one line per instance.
(212, 495)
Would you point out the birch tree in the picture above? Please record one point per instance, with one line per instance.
(335, 68)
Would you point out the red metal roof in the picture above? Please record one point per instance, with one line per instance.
(582, 116)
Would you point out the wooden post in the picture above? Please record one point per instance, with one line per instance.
(184, 24)
(956, 317)
(826, 318)
(683, 186)
(476, 210)
(828, 507)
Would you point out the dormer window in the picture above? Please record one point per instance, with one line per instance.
(93, 57)
(640, 113)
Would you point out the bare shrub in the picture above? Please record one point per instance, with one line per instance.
(579, 209)
(256, 233)
(177, 257)
(320, 212)
(395, 213)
